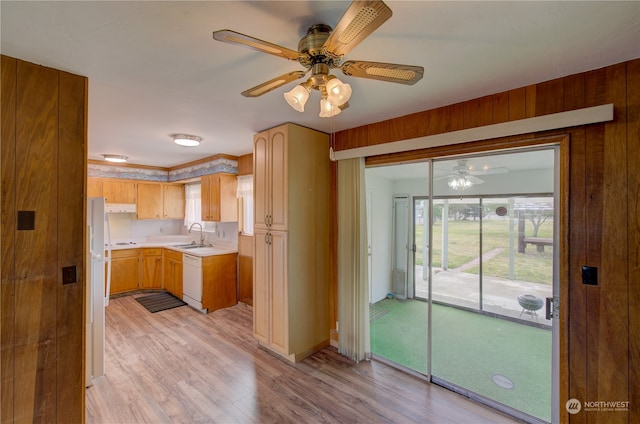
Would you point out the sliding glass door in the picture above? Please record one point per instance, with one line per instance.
(482, 250)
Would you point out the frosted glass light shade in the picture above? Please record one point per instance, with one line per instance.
(338, 93)
(327, 110)
(297, 98)
(459, 183)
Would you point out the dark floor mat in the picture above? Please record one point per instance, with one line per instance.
(160, 302)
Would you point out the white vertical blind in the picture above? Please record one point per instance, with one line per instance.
(353, 287)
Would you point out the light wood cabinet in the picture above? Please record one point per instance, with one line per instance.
(219, 198)
(219, 280)
(151, 268)
(124, 270)
(172, 272)
(160, 201)
(291, 240)
(119, 191)
(94, 187)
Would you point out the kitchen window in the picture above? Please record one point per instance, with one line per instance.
(245, 202)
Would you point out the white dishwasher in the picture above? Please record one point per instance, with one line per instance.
(192, 281)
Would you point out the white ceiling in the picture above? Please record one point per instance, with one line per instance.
(154, 68)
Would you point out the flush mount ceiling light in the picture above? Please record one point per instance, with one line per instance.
(186, 140)
(323, 49)
(115, 158)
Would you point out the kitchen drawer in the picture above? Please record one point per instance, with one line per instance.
(154, 251)
(124, 253)
(172, 254)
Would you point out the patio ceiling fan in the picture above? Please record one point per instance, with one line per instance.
(463, 175)
(321, 50)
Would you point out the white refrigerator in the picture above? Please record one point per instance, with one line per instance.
(98, 285)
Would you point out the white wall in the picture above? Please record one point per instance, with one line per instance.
(381, 220)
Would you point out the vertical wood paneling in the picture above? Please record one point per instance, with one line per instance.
(71, 169)
(500, 107)
(517, 104)
(7, 239)
(530, 101)
(577, 293)
(439, 121)
(574, 92)
(411, 126)
(549, 97)
(396, 129)
(478, 112)
(457, 117)
(613, 338)
(36, 257)
(633, 160)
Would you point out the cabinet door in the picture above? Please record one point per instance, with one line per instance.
(151, 269)
(173, 201)
(124, 273)
(149, 204)
(168, 282)
(94, 187)
(261, 282)
(279, 295)
(228, 197)
(205, 197)
(279, 181)
(177, 279)
(261, 180)
(116, 191)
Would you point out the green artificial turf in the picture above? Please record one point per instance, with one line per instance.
(468, 349)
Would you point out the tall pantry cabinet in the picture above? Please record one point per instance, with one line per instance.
(291, 240)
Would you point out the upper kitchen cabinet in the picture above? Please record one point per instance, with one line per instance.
(94, 187)
(160, 201)
(119, 191)
(219, 197)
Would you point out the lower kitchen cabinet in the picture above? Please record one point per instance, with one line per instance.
(151, 268)
(172, 272)
(124, 270)
(219, 276)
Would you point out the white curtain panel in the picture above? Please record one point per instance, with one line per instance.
(353, 288)
(192, 204)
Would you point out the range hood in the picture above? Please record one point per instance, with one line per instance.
(120, 208)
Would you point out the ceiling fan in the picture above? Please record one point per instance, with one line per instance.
(463, 176)
(323, 49)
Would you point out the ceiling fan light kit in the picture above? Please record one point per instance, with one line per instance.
(459, 183)
(186, 140)
(323, 49)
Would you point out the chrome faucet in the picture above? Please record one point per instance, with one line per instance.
(201, 235)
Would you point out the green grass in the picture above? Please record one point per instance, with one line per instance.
(464, 242)
(468, 349)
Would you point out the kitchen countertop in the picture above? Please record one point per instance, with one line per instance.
(200, 251)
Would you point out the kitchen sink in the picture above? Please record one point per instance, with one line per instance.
(189, 246)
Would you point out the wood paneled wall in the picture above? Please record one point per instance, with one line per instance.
(43, 169)
(600, 352)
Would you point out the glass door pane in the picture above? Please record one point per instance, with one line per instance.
(492, 271)
(421, 247)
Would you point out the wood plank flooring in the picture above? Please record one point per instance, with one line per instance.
(181, 366)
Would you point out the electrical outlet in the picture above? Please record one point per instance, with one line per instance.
(69, 275)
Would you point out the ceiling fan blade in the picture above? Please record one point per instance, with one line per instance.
(403, 74)
(490, 171)
(272, 84)
(357, 23)
(232, 37)
(474, 180)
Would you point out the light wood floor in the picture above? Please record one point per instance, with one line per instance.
(181, 366)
